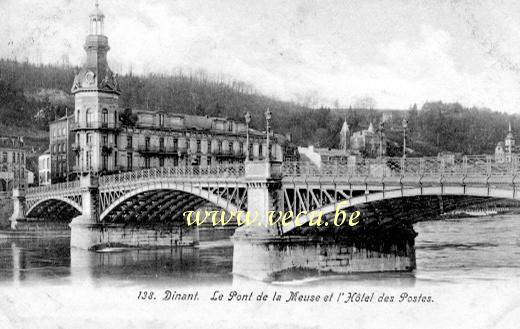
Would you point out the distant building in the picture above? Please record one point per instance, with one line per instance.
(60, 148)
(449, 157)
(367, 142)
(319, 156)
(507, 150)
(13, 158)
(364, 143)
(44, 168)
(387, 117)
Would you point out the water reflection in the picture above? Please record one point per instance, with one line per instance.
(447, 251)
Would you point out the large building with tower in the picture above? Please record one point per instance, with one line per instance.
(105, 139)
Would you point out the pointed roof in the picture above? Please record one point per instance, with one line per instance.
(509, 133)
(96, 75)
(345, 127)
(371, 127)
(97, 12)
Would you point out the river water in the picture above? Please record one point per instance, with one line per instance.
(455, 250)
(470, 266)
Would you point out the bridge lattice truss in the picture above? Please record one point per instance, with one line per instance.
(305, 187)
(68, 192)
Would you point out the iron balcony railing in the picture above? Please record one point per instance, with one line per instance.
(143, 148)
(93, 125)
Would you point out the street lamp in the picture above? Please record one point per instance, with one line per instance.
(405, 126)
(267, 119)
(381, 128)
(248, 120)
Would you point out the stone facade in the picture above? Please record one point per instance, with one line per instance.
(13, 170)
(60, 148)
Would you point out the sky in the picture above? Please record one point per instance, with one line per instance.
(333, 53)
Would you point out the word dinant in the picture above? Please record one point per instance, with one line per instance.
(274, 218)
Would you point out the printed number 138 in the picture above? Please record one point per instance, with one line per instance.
(145, 295)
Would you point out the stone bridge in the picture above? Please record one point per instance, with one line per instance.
(391, 193)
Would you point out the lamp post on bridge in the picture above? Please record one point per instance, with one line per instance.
(248, 120)
(381, 134)
(267, 120)
(405, 126)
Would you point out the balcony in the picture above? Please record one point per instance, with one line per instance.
(82, 169)
(229, 153)
(107, 148)
(157, 150)
(95, 125)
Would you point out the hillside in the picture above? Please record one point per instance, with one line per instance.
(31, 95)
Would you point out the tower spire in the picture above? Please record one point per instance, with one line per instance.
(97, 21)
(96, 74)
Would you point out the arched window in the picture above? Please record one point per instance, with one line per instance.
(161, 119)
(89, 116)
(105, 116)
(78, 115)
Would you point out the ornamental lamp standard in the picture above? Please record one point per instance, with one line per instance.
(405, 126)
(267, 119)
(248, 120)
(381, 129)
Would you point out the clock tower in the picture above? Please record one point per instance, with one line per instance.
(96, 94)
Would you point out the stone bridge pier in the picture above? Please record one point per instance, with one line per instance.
(85, 230)
(264, 252)
(18, 207)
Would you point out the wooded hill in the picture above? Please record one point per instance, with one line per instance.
(31, 95)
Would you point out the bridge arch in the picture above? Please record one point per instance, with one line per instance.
(483, 191)
(206, 195)
(63, 202)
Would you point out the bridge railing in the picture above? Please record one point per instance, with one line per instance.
(479, 165)
(222, 171)
(54, 187)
